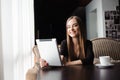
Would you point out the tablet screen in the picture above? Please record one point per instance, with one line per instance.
(48, 50)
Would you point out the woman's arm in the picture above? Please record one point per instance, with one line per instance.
(66, 63)
(73, 62)
(89, 54)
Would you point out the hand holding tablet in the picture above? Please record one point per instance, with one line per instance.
(49, 51)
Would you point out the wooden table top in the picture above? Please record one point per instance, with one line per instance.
(80, 72)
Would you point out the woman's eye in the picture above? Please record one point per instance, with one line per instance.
(75, 25)
(68, 27)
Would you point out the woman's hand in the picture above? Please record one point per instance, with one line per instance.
(63, 59)
(76, 62)
(43, 63)
(68, 63)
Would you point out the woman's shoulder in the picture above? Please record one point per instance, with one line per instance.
(64, 41)
(88, 42)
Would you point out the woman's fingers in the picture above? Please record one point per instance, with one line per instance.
(63, 59)
(43, 63)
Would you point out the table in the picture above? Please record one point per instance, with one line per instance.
(80, 72)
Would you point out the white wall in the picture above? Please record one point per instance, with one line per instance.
(109, 4)
(16, 38)
(93, 24)
(100, 6)
(94, 5)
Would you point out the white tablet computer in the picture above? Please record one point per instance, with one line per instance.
(48, 50)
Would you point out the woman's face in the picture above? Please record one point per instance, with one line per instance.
(72, 27)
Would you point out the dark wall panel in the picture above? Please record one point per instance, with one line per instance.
(51, 15)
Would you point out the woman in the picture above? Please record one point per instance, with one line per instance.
(75, 49)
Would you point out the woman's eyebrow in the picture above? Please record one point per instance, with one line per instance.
(75, 23)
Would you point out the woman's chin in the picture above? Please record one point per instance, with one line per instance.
(73, 36)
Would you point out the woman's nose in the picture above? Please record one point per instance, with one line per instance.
(71, 28)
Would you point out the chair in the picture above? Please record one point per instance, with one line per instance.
(106, 47)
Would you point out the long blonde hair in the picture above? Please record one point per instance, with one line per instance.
(81, 40)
